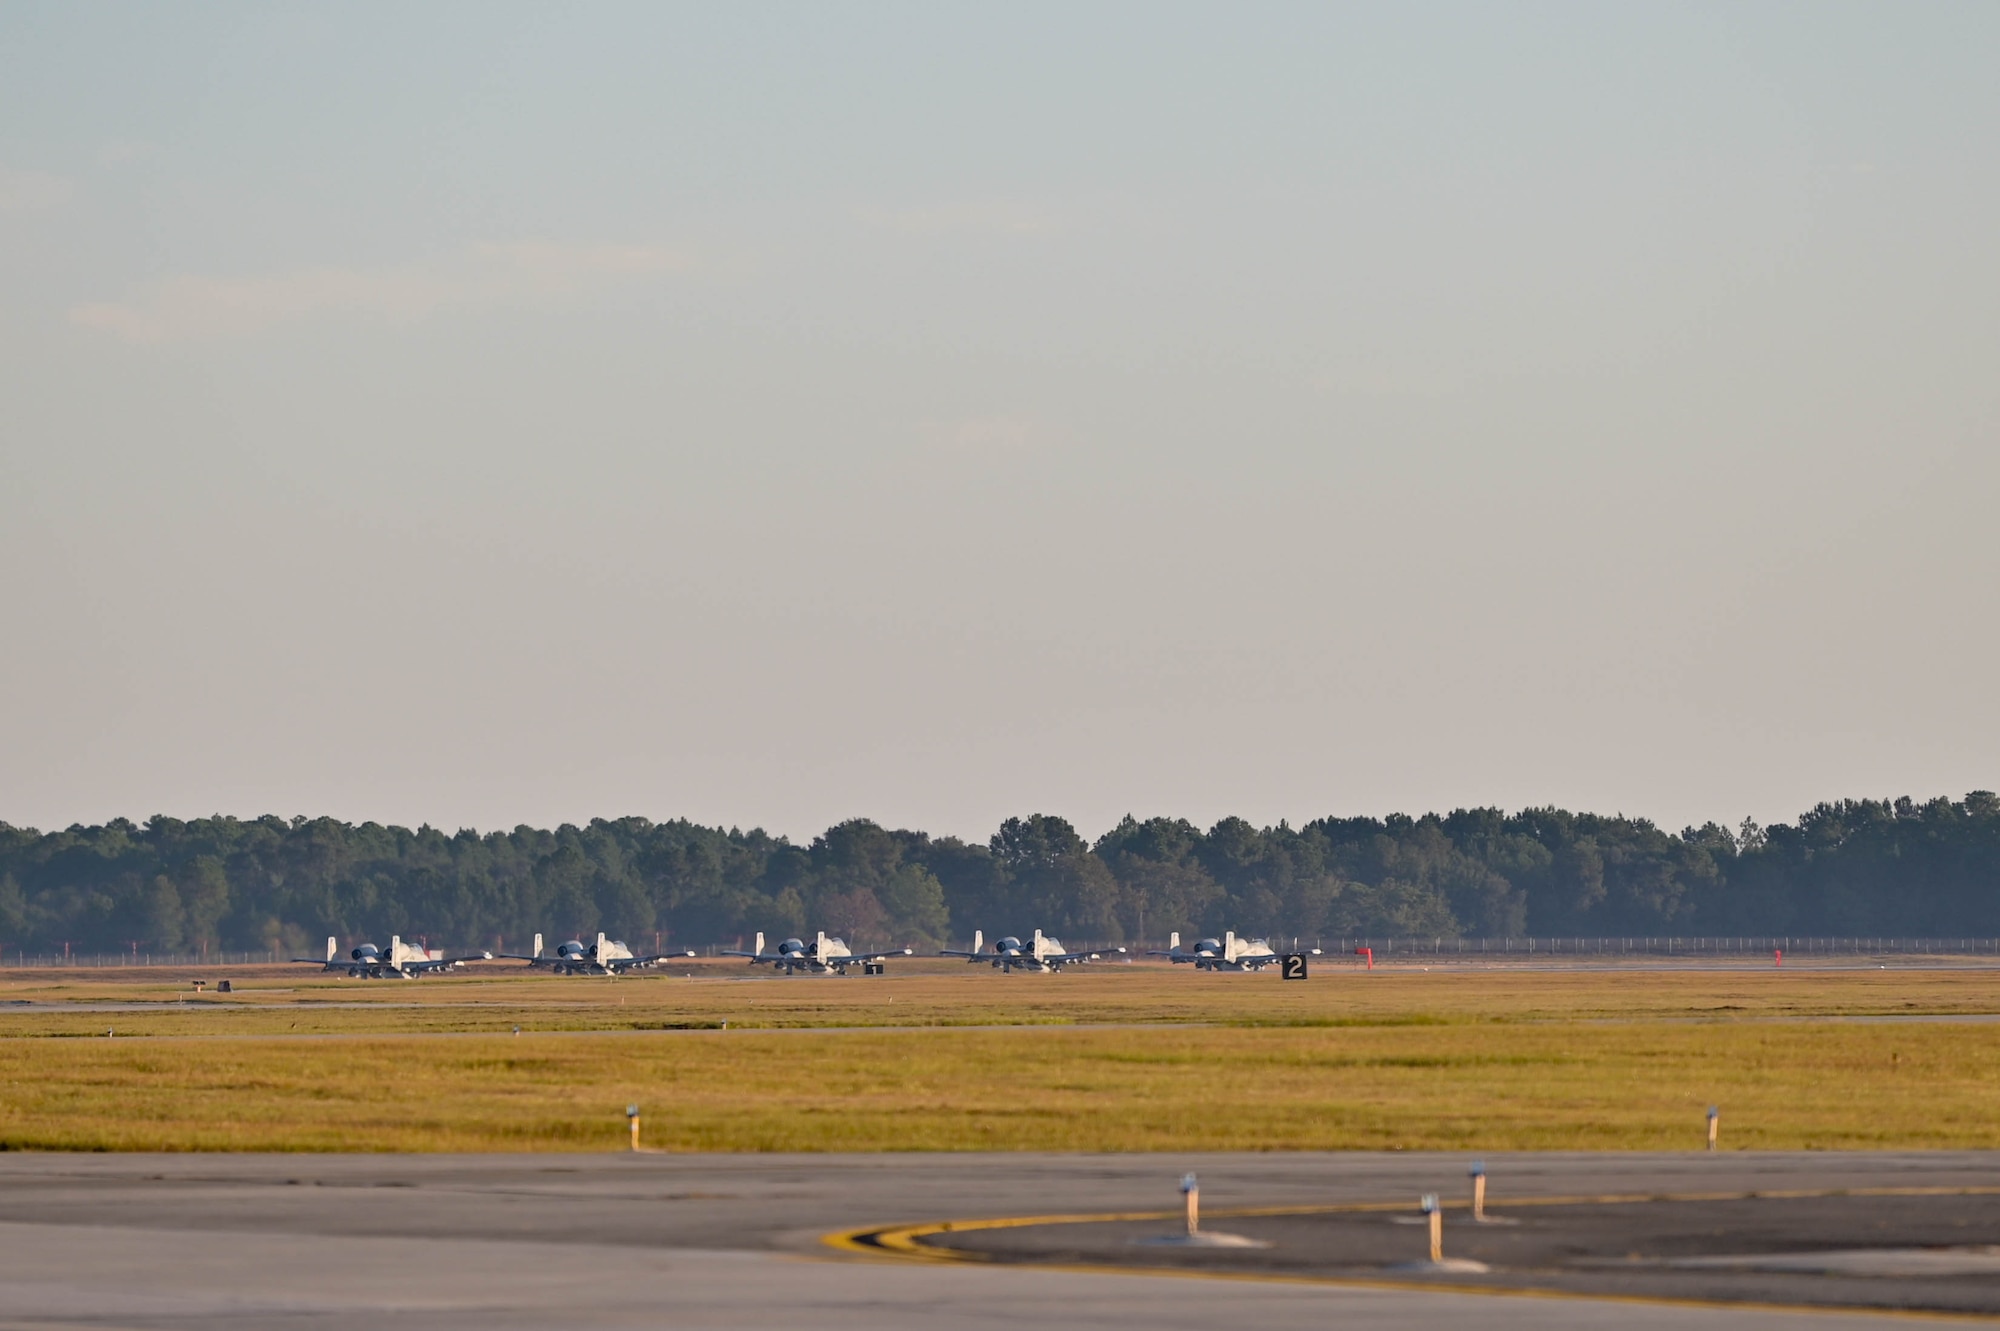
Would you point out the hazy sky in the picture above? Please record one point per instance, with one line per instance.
(768, 414)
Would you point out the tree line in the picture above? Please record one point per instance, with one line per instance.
(1853, 868)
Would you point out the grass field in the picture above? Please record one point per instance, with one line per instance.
(936, 1057)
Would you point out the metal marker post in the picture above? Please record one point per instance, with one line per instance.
(1430, 1205)
(632, 1113)
(1478, 1191)
(1191, 1190)
(1714, 1117)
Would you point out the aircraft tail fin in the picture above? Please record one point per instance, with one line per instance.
(600, 944)
(538, 946)
(978, 939)
(759, 949)
(395, 949)
(1229, 945)
(331, 947)
(819, 945)
(1174, 941)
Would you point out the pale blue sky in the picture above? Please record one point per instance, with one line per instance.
(772, 414)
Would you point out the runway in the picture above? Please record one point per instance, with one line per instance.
(613, 1241)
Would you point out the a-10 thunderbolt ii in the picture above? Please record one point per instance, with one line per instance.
(400, 962)
(1011, 954)
(821, 955)
(604, 957)
(1227, 953)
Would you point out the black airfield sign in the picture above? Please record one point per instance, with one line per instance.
(1293, 965)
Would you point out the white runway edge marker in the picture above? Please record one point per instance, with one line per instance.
(1438, 1263)
(1195, 1237)
(1479, 1216)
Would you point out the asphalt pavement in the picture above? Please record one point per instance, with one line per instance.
(627, 1240)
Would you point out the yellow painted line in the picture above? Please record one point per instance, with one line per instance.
(906, 1239)
(905, 1242)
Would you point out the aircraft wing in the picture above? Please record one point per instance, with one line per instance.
(619, 965)
(648, 961)
(441, 963)
(754, 956)
(975, 956)
(1272, 959)
(874, 956)
(1073, 958)
(523, 956)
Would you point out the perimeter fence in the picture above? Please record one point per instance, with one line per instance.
(1664, 946)
(10, 956)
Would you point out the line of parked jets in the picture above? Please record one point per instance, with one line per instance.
(404, 961)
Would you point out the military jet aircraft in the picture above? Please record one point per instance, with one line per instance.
(822, 954)
(604, 957)
(1011, 954)
(401, 961)
(1228, 953)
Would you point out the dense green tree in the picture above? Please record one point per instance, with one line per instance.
(204, 894)
(914, 900)
(1049, 876)
(14, 913)
(1857, 867)
(164, 922)
(1161, 880)
(971, 880)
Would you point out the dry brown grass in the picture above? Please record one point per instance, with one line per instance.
(938, 1056)
(1615, 1086)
